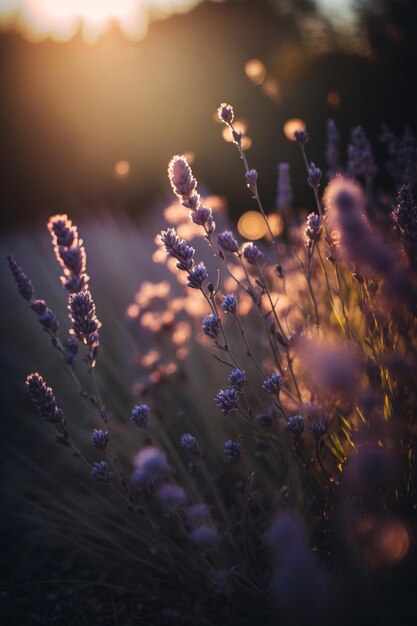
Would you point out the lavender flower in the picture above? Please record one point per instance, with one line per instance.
(140, 416)
(252, 253)
(178, 249)
(313, 228)
(301, 137)
(295, 426)
(229, 304)
(272, 384)
(197, 514)
(227, 400)
(151, 467)
(100, 438)
(43, 398)
(360, 158)
(403, 155)
(70, 253)
(85, 325)
(284, 190)
(23, 283)
(211, 326)
(332, 149)
(183, 182)
(197, 276)
(101, 472)
(232, 450)
(237, 379)
(227, 241)
(314, 176)
(189, 443)
(206, 536)
(319, 428)
(203, 216)
(225, 113)
(171, 497)
(405, 220)
(251, 178)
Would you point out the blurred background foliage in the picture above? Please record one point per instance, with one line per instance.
(71, 110)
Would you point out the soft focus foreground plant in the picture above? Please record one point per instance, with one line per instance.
(315, 345)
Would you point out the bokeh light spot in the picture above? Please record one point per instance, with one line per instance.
(291, 126)
(252, 226)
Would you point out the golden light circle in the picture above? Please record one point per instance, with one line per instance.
(255, 70)
(121, 169)
(333, 98)
(291, 126)
(251, 225)
(276, 224)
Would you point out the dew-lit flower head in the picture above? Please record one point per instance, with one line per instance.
(197, 276)
(85, 325)
(203, 216)
(43, 398)
(183, 182)
(251, 178)
(70, 253)
(252, 253)
(314, 226)
(314, 175)
(228, 242)
(178, 249)
(225, 113)
(227, 400)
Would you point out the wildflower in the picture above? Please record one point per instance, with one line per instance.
(189, 443)
(23, 283)
(251, 178)
(203, 216)
(171, 497)
(140, 416)
(100, 438)
(227, 241)
(211, 326)
(183, 182)
(206, 536)
(178, 249)
(284, 189)
(314, 175)
(252, 253)
(151, 467)
(332, 149)
(197, 276)
(313, 227)
(360, 158)
(232, 450)
(319, 428)
(197, 514)
(43, 398)
(85, 325)
(237, 379)
(227, 400)
(70, 253)
(272, 384)
(295, 426)
(344, 200)
(225, 113)
(101, 472)
(71, 349)
(229, 304)
(301, 137)
(405, 220)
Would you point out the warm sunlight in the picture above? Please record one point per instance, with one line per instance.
(60, 20)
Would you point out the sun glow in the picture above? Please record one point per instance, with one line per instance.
(62, 19)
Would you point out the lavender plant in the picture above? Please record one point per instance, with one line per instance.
(313, 339)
